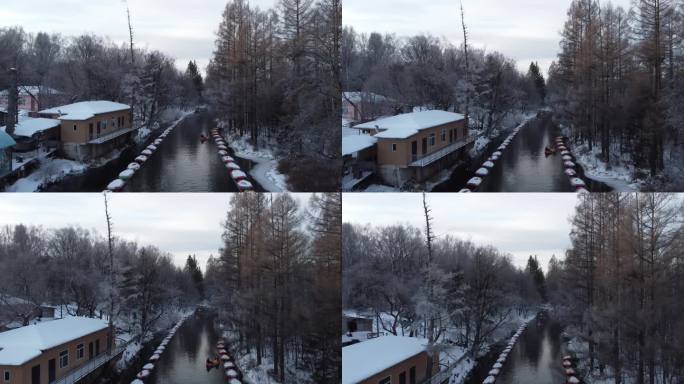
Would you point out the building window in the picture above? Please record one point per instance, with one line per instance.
(394, 147)
(451, 135)
(104, 124)
(7, 375)
(80, 351)
(412, 375)
(432, 139)
(443, 134)
(402, 378)
(74, 127)
(386, 380)
(64, 359)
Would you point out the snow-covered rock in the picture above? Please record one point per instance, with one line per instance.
(577, 182)
(152, 147)
(488, 164)
(154, 357)
(146, 152)
(497, 153)
(232, 166)
(573, 380)
(465, 190)
(143, 374)
(133, 166)
(494, 372)
(570, 172)
(116, 185)
(475, 182)
(227, 159)
(231, 373)
(141, 159)
(489, 380)
(244, 185)
(566, 157)
(569, 164)
(148, 366)
(127, 174)
(482, 172)
(238, 175)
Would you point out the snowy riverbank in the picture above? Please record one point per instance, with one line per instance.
(265, 169)
(619, 176)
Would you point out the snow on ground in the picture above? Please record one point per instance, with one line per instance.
(49, 171)
(346, 130)
(619, 177)
(253, 373)
(172, 116)
(265, 172)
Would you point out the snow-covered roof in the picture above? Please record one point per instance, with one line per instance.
(408, 124)
(85, 110)
(356, 97)
(363, 360)
(32, 89)
(28, 126)
(6, 140)
(355, 143)
(23, 344)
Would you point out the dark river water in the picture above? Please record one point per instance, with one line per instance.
(535, 359)
(181, 163)
(523, 167)
(184, 360)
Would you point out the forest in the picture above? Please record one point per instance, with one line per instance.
(452, 292)
(91, 67)
(618, 85)
(427, 72)
(274, 76)
(277, 282)
(619, 286)
(84, 273)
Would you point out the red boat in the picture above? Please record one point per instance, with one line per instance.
(548, 151)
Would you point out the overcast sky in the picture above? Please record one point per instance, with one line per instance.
(524, 30)
(183, 29)
(519, 224)
(177, 223)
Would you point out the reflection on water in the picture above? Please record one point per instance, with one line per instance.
(535, 359)
(523, 167)
(182, 163)
(184, 360)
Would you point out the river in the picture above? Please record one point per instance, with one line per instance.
(535, 359)
(182, 163)
(523, 167)
(184, 360)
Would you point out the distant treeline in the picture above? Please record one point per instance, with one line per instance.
(423, 71)
(70, 267)
(90, 67)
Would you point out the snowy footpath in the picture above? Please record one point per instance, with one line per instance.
(265, 170)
